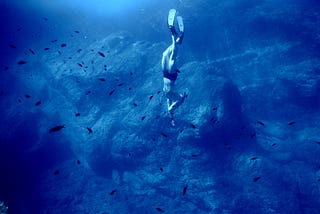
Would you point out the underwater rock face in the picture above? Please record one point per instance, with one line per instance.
(85, 122)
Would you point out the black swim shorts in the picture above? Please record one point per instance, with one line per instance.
(170, 76)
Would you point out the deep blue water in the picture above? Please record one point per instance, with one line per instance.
(246, 140)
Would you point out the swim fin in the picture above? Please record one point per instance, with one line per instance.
(181, 29)
(171, 17)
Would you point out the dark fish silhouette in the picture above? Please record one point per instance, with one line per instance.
(158, 92)
(120, 84)
(143, 117)
(101, 54)
(27, 96)
(59, 52)
(214, 109)
(150, 98)
(256, 179)
(253, 158)
(129, 89)
(31, 51)
(260, 123)
(88, 92)
(56, 128)
(46, 49)
(63, 45)
(291, 123)
(160, 210)
(76, 31)
(89, 130)
(185, 189)
(21, 62)
(53, 41)
(273, 144)
(37, 103)
(318, 142)
(252, 135)
(163, 134)
(113, 192)
(79, 50)
(12, 46)
(111, 92)
(56, 172)
(102, 79)
(78, 162)
(77, 114)
(80, 65)
(161, 169)
(192, 126)
(135, 105)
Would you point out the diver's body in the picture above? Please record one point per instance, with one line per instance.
(168, 64)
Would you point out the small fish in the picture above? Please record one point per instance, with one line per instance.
(56, 172)
(78, 162)
(135, 104)
(111, 92)
(53, 41)
(192, 126)
(77, 114)
(158, 92)
(27, 96)
(79, 50)
(59, 52)
(12, 46)
(120, 84)
(131, 73)
(113, 192)
(163, 134)
(31, 51)
(102, 79)
(260, 123)
(88, 92)
(253, 158)
(129, 89)
(46, 49)
(291, 123)
(80, 65)
(252, 135)
(318, 142)
(273, 144)
(194, 156)
(37, 103)
(101, 54)
(150, 98)
(21, 62)
(214, 109)
(63, 45)
(143, 117)
(161, 169)
(76, 31)
(185, 189)
(160, 210)
(256, 179)
(56, 128)
(89, 130)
